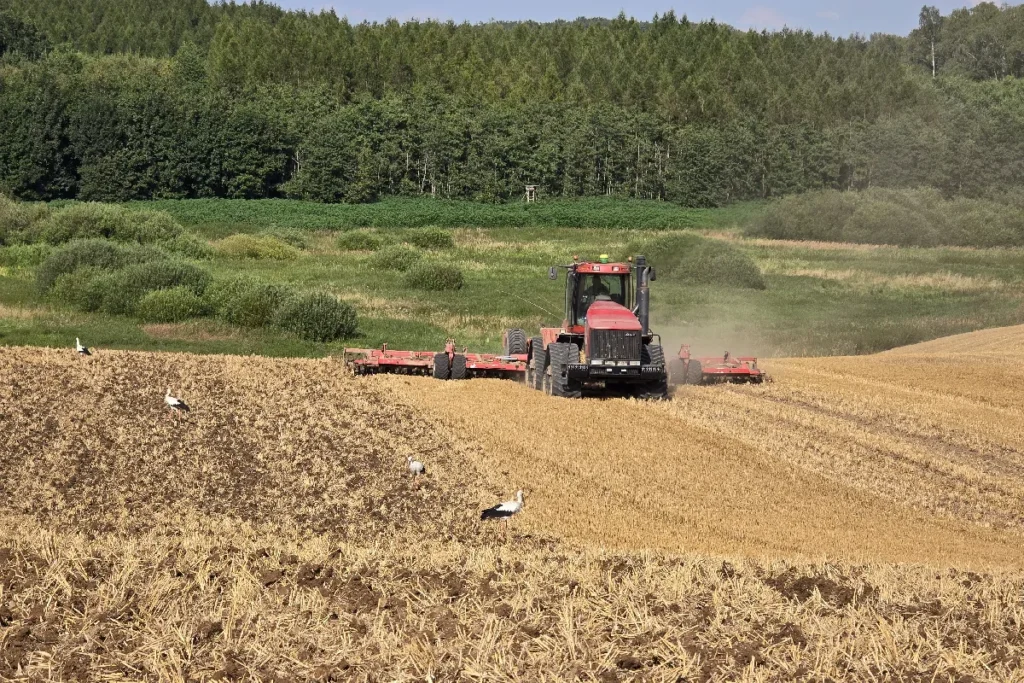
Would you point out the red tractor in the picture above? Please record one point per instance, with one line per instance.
(604, 346)
(605, 343)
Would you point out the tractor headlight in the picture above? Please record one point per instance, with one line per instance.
(597, 361)
(634, 362)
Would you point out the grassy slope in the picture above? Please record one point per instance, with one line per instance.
(821, 299)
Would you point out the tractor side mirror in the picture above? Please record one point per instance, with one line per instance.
(552, 273)
(654, 275)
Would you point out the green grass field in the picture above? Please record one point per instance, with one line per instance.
(820, 299)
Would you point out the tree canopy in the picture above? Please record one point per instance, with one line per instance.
(124, 99)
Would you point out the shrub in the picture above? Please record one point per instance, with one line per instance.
(691, 258)
(395, 257)
(359, 240)
(317, 316)
(245, 301)
(170, 305)
(190, 246)
(429, 238)
(102, 254)
(433, 277)
(82, 289)
(18, 221)
(128, 286)
(290, 236)
(908, 218)
(24, 255)
(263, 247)
(90, 220)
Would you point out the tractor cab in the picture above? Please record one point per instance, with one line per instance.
(590, 282)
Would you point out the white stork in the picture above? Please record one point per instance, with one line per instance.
(504, 511)
(416, 468)
(176, 405)
(81, 350)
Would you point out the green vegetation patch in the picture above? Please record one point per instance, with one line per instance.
(907, 218)
(359, 240)
(259, 247)
(395, 257)
(591, 212)
(433, 276)
(170, 305)
(693, 259)
(429, 238)
(245, 300)
(317, 316)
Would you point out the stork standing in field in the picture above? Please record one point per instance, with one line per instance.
(505, 511)
(416, 468)
(81, 350)
(176, 405)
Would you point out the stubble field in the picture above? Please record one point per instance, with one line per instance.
(857, 518)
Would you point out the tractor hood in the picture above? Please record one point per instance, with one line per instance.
(608, 315)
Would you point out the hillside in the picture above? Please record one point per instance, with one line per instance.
(729, 532)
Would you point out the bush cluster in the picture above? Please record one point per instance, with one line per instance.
(98, 253)
(260, 247)
(245, 301)
(189, 245)
(907, 218)
(433, 276)
(317, 316)
(290, 236)
(691, 258)
(395, 257)
(170, 305)
(429, 238)
(24, 255)
(119, 291)
(359, 240)
(93, 220)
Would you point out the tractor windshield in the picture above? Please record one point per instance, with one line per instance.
(594, 287)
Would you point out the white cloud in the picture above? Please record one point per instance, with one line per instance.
(762, 17)
(828, 14)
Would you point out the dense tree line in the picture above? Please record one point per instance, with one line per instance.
(258, 102)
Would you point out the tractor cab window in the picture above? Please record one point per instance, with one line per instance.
(591, 287)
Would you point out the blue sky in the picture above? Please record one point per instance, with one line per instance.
(838, 17)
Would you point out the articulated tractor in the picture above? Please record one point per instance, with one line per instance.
(604, 346)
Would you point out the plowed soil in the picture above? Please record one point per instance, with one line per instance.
(857, 519)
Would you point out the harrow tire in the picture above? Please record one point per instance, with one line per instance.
(559, 384)
(538, 363)
(694, 372)
(515, 341)
(442, 368)
(459, 367)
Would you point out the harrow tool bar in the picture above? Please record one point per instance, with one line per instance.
(447, 364)
(726, 368)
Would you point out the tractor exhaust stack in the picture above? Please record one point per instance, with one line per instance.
(643, 295)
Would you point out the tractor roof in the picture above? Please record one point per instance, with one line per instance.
(598, 267)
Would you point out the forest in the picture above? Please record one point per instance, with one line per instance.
(122, 100)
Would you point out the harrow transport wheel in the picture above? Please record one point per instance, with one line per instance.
(538, 362)
(694, 372)
(676, 371)
(559, 383)
(515, 341)
(441, 366)
(459, 367)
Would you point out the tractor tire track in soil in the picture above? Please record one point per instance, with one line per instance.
(694, 476)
